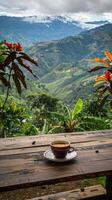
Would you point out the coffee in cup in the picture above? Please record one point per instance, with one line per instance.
(60, 148)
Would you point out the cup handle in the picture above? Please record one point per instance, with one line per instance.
(71, 150)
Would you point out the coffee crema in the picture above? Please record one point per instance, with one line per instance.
(60, 145)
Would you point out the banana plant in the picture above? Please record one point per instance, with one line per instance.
(69, 119)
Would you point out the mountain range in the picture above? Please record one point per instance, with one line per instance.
(64, 64)
(64, 50)
(21, 30)
(28, 30)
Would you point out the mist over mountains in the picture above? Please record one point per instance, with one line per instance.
(28, 30)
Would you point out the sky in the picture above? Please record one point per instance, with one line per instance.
(71, 10)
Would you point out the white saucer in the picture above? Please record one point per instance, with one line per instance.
(50, 156)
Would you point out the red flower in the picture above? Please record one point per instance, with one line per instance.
(14, 46)
(18, 47)
(108, 75)
(9, 45)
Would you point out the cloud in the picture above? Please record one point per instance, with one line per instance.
(84, 17)
(81, 11)
(49, 7)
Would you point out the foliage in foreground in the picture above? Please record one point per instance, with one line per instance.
(20, 118)
(12, 63)
(104, 83)
(43, 113)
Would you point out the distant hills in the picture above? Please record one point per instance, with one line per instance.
(64, 64)
(28, 32)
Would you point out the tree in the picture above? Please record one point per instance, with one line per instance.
(10, 67)
(12, 63)
(42, 106)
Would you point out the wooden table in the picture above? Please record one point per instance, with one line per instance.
(22, 163)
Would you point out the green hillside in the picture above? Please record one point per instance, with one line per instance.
(64, 64)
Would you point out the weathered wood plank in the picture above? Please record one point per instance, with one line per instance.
(92, 192)
(31, 169)
(44, 140)
(105, 146)
(105, 143)
(22, 164)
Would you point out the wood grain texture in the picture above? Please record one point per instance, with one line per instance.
(23, 165)
(45, 140)
(92, 192)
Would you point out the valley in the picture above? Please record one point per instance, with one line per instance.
(64, 64)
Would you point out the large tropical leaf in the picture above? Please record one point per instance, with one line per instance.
(96, 68)
(10, 58)
(19, 74)
(26, 57)
(77, 108)
(20, 61)
(44, 128)
(68, 114)
(17, 83)
(2, 67)
(4, 80)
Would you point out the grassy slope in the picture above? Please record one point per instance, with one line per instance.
(64, 64)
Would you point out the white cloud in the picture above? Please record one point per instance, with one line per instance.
(35, 7)
(46, 10)
(83, 17)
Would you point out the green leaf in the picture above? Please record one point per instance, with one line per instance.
(45, 127)
(98, 83)
(55, 129)
(13, 106)
(59, 116)
(77, 108)
(69, 113)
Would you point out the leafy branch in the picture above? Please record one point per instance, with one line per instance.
(15, 60)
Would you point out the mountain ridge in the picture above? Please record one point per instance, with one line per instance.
(18, 30)
(71, 49)
(64, 64)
